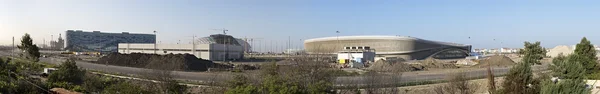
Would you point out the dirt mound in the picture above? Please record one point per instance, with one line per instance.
(496, 61)
(387, 66)
(434, 63)
(178, 62)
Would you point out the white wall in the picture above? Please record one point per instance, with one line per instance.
(204, 51)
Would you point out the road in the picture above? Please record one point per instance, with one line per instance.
(407, 77)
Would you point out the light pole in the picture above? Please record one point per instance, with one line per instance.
(154, 42)
(51, 39)
(12, 51)
(194, 45)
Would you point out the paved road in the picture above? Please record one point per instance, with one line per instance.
(406, 77)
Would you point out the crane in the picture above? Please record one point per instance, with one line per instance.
(224, 30)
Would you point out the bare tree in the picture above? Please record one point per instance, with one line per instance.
(458, 84)
(491, 81)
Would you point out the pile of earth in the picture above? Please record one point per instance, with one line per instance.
(178, 62)
(431, 63)
(496, 61)
(389, 66)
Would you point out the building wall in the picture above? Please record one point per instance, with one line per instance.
(204, 51)
(97, 41)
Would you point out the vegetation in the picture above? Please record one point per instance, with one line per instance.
(308, 77)
(13, 80)
(532, 53)
(571, 74)
(519, 79)
(458, 84)
(32, 52)
(586, 56)
(68, 73)
(125, 88)
(491, 81)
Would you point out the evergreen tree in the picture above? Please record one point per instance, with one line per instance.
(519, 79)
(31, 50)
(586, 56)
(532, 53)
(568, 67)
(571, 75)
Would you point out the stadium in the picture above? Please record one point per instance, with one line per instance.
(401, 47)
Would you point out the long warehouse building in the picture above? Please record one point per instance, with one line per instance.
(96, 41)
(215, 47)
(398, 47)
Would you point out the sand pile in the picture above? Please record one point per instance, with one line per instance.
(387, 66)
(561, 49)
(434, 63)
(178, 62)
(496, 61)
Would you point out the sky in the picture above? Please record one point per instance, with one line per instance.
(481, 23)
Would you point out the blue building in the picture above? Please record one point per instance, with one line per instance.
(96, 41)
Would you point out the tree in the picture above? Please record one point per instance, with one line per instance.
(31, 50)
(241, 85)
(491, 80)
(519, 79)
(586, 56)
(568, 67)
(274, 83)
(67, 73)
(458, 84)
(571, 74)
(167, 84)
(532, 53)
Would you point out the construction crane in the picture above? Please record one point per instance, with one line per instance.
(224, 30)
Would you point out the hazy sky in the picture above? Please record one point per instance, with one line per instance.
(508, 21)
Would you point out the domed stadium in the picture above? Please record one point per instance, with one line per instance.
(408, 48)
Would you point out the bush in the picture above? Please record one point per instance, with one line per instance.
(125, 88)
(67, 72)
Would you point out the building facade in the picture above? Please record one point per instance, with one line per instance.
(408, 48)
(214, 47)
(96, 41)
(213, 52)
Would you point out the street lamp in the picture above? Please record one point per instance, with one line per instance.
(154, 42)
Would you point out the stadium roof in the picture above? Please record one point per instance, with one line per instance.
(378, 37)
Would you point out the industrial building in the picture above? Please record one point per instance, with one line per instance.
(397, 47)
(215, 47)
(96, 41)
